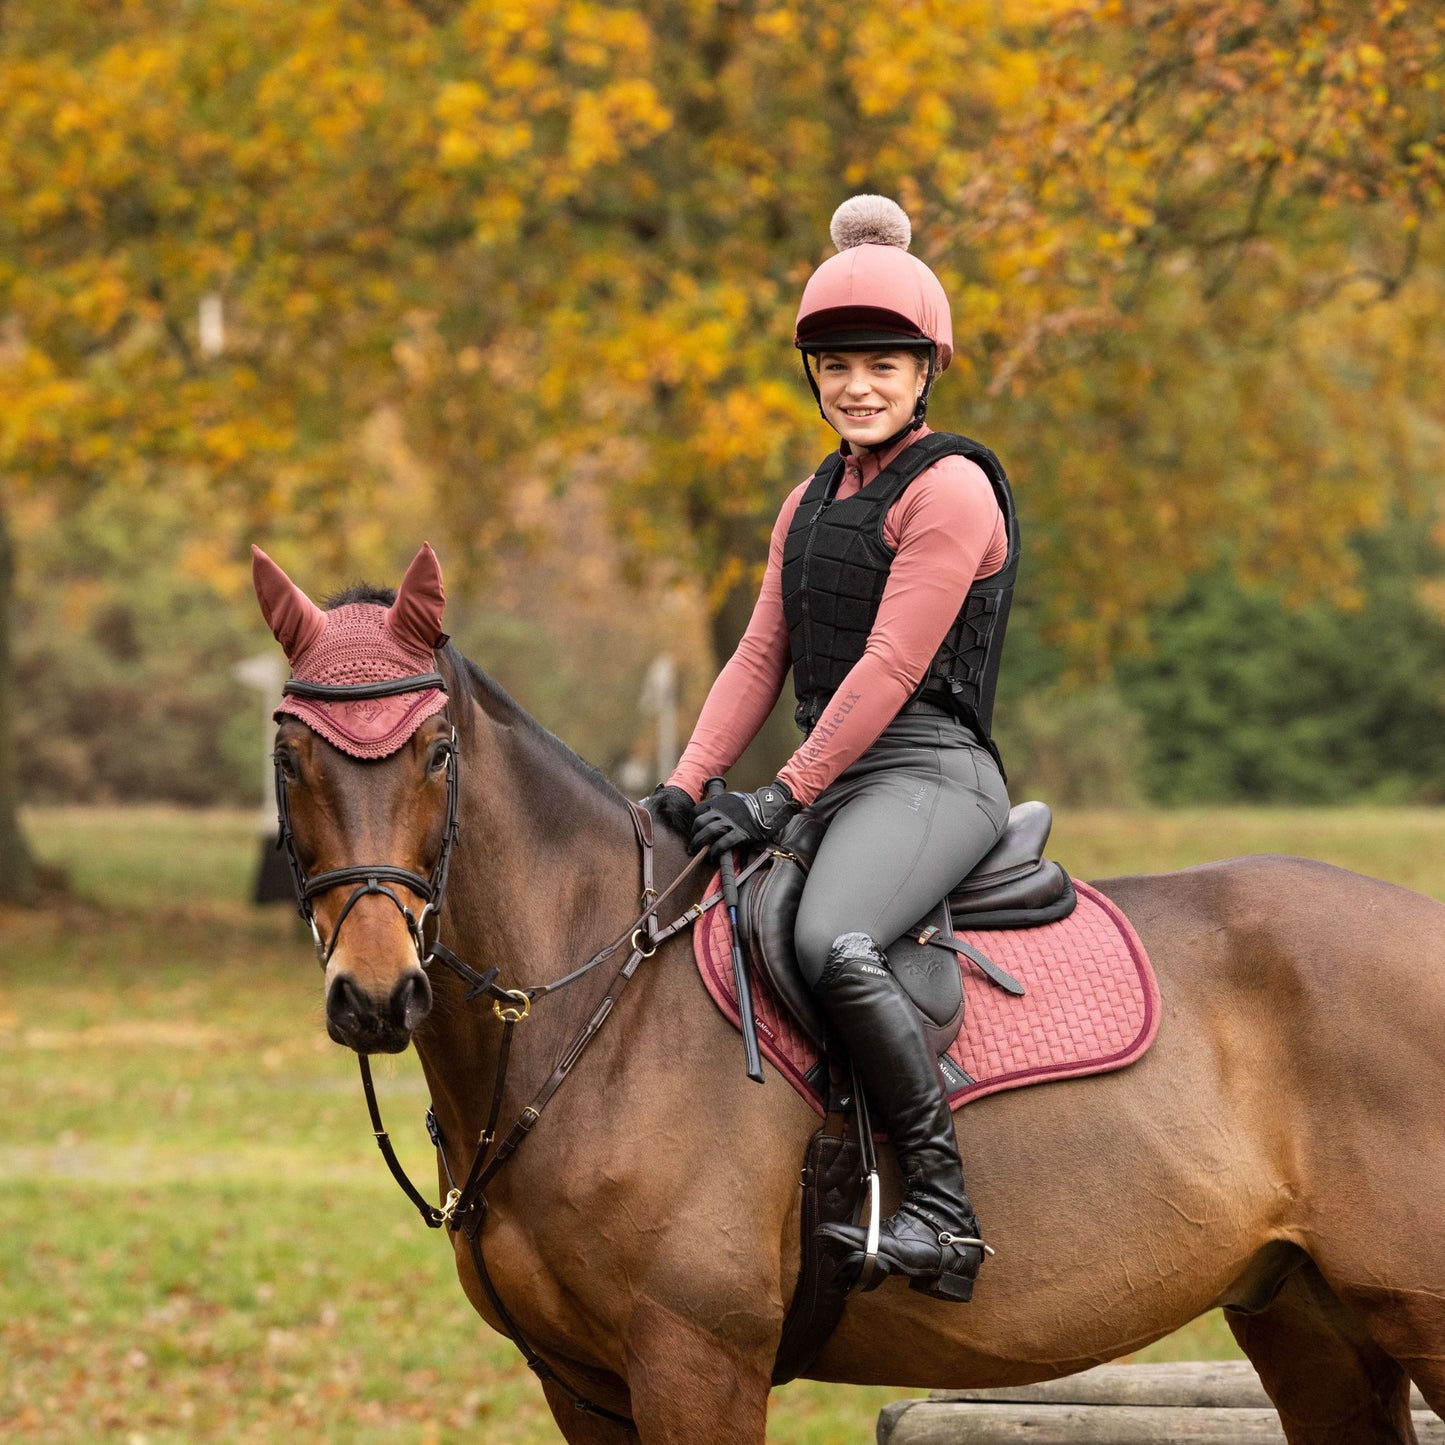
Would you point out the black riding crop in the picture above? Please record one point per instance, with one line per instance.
(746, 1022)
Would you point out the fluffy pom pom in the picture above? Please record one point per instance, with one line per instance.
(870, 220)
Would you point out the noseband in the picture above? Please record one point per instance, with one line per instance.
(370, 877)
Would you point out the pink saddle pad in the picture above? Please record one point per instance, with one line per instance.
(1092, 1002)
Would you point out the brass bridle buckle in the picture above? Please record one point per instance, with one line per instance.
(513, 1015)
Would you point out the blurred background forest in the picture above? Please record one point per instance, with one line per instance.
(519, 277)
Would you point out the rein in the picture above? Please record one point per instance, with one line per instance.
(465, 1208)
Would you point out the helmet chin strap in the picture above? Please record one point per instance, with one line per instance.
(920, 407)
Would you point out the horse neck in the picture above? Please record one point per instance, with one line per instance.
(545, 872)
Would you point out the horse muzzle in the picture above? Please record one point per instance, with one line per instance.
(358, 1019)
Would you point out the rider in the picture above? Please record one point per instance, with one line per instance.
(886, 591)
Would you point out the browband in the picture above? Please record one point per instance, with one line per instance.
(357, 691)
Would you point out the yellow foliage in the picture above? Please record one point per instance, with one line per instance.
(564, 238)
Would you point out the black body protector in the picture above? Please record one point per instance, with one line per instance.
(836, 565)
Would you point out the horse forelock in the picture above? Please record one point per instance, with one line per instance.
(360, 592)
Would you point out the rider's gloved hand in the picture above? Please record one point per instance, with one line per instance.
(671, 806)
(729, 820)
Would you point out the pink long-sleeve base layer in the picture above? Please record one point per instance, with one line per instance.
(946, 531)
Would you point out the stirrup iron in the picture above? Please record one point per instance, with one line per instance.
(870, 1276)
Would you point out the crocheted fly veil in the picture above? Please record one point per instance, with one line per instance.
(358, 643)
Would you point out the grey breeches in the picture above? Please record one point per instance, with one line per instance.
(905, 823)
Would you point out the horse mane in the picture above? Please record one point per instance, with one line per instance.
(489, 693)
(499, 703)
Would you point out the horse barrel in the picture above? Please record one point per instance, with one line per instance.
(1221, 1402)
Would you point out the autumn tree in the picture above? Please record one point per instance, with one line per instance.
(1214, 233)
(563, 239)
(293, 170)
(1168, 229)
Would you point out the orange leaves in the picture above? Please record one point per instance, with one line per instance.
(564, 238)
(742, 433)
(608, 123)
(606, 39)
(470, 134)
(580, 64)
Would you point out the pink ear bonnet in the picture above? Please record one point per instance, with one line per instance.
(359, 643)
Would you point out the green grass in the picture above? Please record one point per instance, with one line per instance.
(1404, 845)
(197, 1240)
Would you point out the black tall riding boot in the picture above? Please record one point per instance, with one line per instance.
(934, 1236)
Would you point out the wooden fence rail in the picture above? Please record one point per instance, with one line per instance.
(1220, 1402)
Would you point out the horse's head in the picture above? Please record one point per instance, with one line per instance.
(366, 790)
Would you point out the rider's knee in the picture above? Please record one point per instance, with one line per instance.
(813, 942)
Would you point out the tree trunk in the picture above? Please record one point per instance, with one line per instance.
(17, 867)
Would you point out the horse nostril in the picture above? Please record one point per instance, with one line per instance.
(411, 1000)
(345, 1003)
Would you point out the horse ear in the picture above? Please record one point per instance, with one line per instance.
(295, 619)
(415, 618)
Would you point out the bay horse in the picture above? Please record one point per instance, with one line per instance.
(1279, 1152)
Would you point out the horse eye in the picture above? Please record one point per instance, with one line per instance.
(286, 764)
(440, 757)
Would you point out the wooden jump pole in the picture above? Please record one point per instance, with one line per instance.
(1218, 1402)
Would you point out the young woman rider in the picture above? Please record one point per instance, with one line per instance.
(886, 592)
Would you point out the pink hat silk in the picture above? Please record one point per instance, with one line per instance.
(868, 285)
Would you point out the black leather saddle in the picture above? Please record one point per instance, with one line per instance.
(1013, 886)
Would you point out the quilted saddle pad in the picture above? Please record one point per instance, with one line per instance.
(1092, 1003)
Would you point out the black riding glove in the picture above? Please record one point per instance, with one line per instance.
(672, 807)
(731, 819)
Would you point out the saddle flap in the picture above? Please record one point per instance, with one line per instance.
(930, 976)
(767, 908)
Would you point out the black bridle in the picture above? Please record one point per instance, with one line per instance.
(370, 878)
